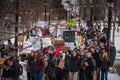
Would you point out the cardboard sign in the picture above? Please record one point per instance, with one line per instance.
(21, 38)
(1, 61)
(65, 48)
(61, 64)
(58, 43)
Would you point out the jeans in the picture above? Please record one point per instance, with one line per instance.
(73, 75)
(104, 74)
(39, 75)
(82, 75)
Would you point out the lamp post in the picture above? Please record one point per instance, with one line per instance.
(91, 11)
(110, 5)
(49, 16)
(16, 23)
(45, 4)
(79, 13)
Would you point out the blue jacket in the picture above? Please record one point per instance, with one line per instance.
(15, 69)
(31, 64)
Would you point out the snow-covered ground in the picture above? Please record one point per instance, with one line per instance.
(113, 77)
(117, 43)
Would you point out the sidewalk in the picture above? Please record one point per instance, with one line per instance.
(113, 77)
(118, 56)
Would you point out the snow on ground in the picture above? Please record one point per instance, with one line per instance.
(117, 42)
(113, 77)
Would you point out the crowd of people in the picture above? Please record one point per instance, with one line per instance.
(91, 61)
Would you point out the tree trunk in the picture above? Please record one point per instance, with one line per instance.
(113, 35)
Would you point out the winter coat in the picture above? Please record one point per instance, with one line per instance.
(15, 69)
(39, 64)
(30, 65)
(105, 63)
(97, 58)
(112, 54)
(51, 68)
(81, 62)
(91, 66)
(63, 73)
(74, 63)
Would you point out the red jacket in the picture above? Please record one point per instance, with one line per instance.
(39, 64)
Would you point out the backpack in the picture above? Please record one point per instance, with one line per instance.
(20, 69)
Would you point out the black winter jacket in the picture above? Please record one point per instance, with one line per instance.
(74, 63)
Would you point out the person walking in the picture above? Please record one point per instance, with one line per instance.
(105, 64)
(51, 68)
(74, 66)
(112, 54)
(90, 65)
(39, 66)
(81, 66)
(63, 67)
(30, 66)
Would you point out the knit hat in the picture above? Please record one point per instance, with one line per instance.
(51, 47)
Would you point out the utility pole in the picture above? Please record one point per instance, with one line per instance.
(91, 11)
(49, 16)
(16, 23)
(45, 4)
(110, 5)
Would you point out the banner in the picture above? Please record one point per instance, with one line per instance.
(27, 50)
(71, 23)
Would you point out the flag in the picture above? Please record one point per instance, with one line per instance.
(71, 23)
(58, 50)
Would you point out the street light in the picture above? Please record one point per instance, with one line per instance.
(91, 11)
(45, 5)
(16, 22)
(110, 6)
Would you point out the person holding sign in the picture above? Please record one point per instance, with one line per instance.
(63, 66)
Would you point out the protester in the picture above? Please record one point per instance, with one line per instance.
(10, 67)
(74, 63)
(39, 66)
(90, 65)
(96, 57)
(112, 54)
(105, 64)
(30, 66)
(63, 67)
(51, 68)
(89, 61)
(81, 65)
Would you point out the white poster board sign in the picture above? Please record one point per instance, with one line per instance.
(46, 42)
(36, 46)
(41, 24)
(26, 44)
(71, 45)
